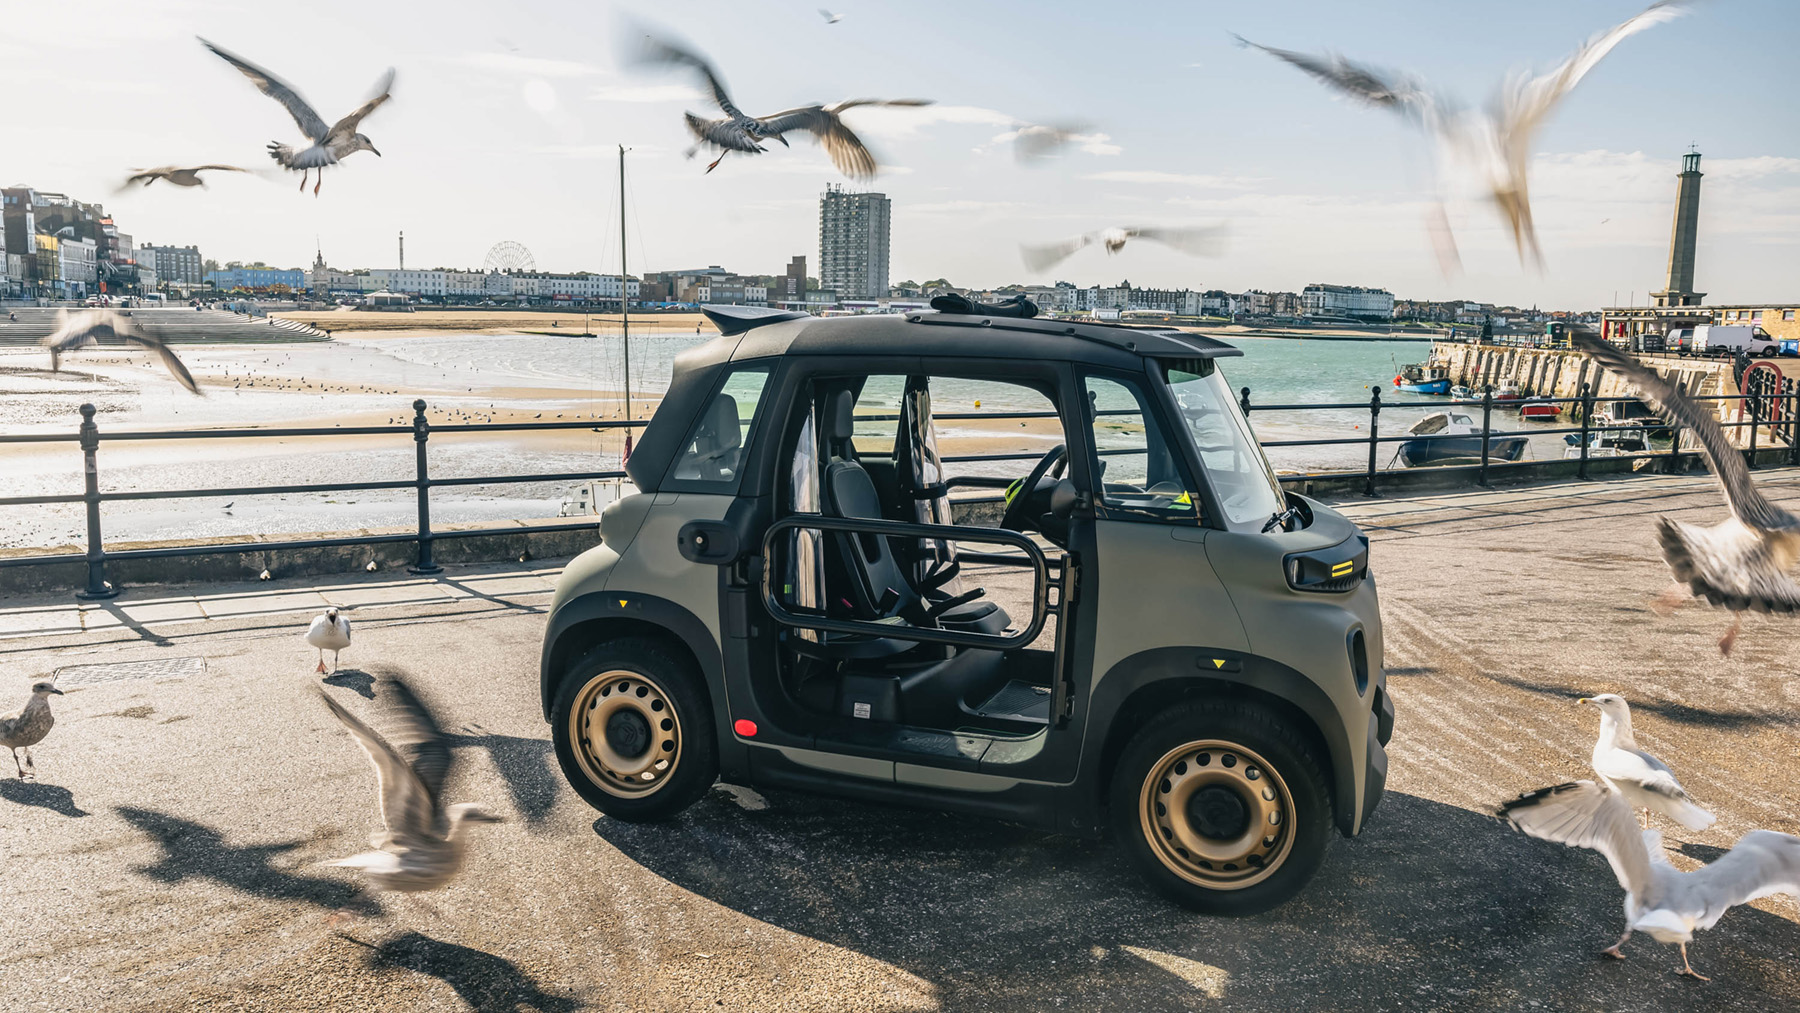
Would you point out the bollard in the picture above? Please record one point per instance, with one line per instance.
(1487, 413)
(1374, 417)
(97, 587)
(421, 433)
(1587, 416)
(1244, 400)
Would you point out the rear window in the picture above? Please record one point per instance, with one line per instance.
(711, 460)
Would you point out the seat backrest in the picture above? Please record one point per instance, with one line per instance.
(717, 442)
(849, 492)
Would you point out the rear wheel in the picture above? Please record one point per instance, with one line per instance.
(1223, 806)
(633, 730)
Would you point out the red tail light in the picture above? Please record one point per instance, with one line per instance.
(744, 727)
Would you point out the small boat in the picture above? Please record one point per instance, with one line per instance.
(1421, 378)
(1606, 444)
(1539, 408)
(1461, 393)
(1454, 438)
(1508, 392)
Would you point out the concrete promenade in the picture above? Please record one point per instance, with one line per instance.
(168, 857)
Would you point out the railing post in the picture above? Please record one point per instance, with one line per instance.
(1793, 409)
(422, 433)
(1374, 433)
(1587, 421)
(1244, 400)
(1753, 407)
(1487, 413)
(97, 587)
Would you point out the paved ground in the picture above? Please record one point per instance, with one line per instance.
(168, 858)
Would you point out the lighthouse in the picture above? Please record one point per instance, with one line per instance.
(1679, 289)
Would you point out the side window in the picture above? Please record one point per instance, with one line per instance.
(1139, 479)
(716, 446)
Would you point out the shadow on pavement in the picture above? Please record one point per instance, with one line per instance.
(1678, 712)
(195, 851)
(1433, 906)
(523, 763)
(362, 683)
(53, 797)
(489, 984)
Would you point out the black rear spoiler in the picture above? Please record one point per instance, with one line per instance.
(738, 319)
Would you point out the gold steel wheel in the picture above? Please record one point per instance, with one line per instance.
(626, 734)
(1216, 814)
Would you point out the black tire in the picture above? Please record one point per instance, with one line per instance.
(1768, 350)
(1254, 866)
(648, 748)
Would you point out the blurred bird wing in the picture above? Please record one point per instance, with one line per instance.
(845, 149)
(1583, 814)
(660, 50)
(408, 808)
(1207, 241)
(1048, 255)
(160, 172)
(414, 731)
(1762, 863)
(1747, 501)
(344, 128)
(170, 360)
(727, 134)
(1401, 93)
(1037, 141)
(218, 168)
(304, 115)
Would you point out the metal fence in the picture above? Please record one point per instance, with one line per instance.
(1774, 410)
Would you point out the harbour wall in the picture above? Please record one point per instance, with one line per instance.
(1555, 372)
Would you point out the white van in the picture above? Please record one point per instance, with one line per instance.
(1719, 339)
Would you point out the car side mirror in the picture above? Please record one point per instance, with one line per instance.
(1064, 498)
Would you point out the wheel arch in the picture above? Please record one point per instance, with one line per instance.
(1143, 684)
(585, 622)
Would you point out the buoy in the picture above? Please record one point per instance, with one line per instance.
(978, 402)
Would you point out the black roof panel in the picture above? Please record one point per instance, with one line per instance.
(957, 335)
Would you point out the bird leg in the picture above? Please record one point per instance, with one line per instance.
(715, 163)
(21, 770)
(321, 668)
(334, 668)
(303, 173)
(30, 771)
(1687, 969)
(1613, 951)
(1644, 820)
(1670, 599)
(318, 181)
(1730, 636)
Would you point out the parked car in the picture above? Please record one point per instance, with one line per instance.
(785, 601)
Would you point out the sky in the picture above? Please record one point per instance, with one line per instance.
(506, 119)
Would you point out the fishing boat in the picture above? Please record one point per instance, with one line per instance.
(1602, 443)
(1539, 408)
(1508, 392)
(1461, 393)
(1423, 378)
(1454, 438)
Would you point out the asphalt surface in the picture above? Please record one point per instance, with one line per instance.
(168, 859)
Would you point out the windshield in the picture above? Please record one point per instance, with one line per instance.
(1240, 475)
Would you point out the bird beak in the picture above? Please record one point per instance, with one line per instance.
(377, 153)
(1585, 700)
(58, 692)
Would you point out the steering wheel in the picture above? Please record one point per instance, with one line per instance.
(1019, 495)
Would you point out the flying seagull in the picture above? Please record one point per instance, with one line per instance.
(743, 133)
(1645, 781)
(1200, 242)
(422, 843)
(330, 144)
(830, 18)
(329, 631)
(1495, 141)
(89, 327)
(1659, 899)
(177, 175)
(1742, 562)
(1035, 142)
(27, 727)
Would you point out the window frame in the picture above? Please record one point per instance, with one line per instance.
(1156, 408)
(748, 440)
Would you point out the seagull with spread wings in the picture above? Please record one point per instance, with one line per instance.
(743, 133)
(422, 843)
(1660, 899)
(90, 327)
(177, 175)
(1495, 141)
(1741, 563)
(1197, 241)
(330, 144)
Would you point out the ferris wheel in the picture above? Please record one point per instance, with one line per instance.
(507, 255)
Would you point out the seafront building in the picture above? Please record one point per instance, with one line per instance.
(853, 242)
(1347, 301)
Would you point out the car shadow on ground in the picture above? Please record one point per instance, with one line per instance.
(195, 851)
(53, 797)
(489, 984)
(1433, 906)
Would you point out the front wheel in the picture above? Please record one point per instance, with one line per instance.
(633, 730)
(1223, 805)
(1768, 350)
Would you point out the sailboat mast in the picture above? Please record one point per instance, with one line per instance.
(624, 300)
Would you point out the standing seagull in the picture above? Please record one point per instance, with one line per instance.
(1659, 899)
(742, 133)
(329, 632)
(330, 144)
(1199, 242)
(177, 175)
(27, 727)
(89, 327)
(422, 844)
(1495, 141)
(1645, 781)
(1742, 562)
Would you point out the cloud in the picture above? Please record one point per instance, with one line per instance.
(526, 66)
(643, 93)
(1750, 168)
(1172, 178)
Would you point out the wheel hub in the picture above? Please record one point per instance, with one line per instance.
(628, 733)
(625, 733)
(1218, 813)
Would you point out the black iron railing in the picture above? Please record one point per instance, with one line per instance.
(1774, 409)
